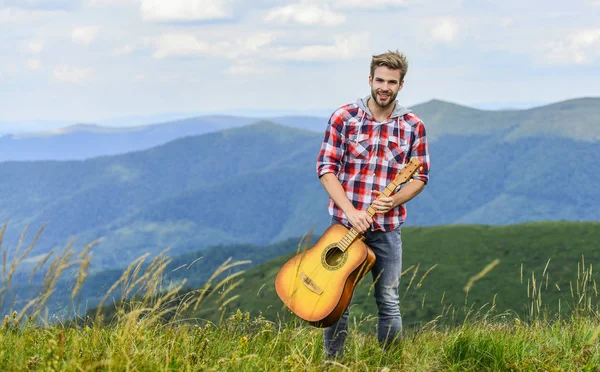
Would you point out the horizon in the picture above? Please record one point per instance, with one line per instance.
(29, 126)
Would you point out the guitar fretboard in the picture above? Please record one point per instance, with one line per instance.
(407, 171)
(352, 234)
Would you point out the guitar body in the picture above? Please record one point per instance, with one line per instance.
(317, 284)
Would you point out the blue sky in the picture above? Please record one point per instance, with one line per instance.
(92, 60)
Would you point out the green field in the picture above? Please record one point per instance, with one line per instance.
(532, 304)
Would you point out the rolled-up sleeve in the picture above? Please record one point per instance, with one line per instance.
(420, 151)
(332, 148)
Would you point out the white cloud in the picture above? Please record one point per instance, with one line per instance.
(305, 14)
(183, 10)
(124, 50)
(110, 2)
(506, 21)
(255, 42)
(84, 35)
(187, 44)
(13, 16)
(373, 4)
(34, 64)
(40, 4)
(344, 48)
(179, 44)
(580, 47)
(35, 47)
(67, 74)
(446, 31)
(240, 69)
(244, 67)
(9, 68)
(244, 47)
(488, 40)
(9, 15)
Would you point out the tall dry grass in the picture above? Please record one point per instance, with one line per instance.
(149, 329)
(143, 297)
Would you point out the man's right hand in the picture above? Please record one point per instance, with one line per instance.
(360, 220)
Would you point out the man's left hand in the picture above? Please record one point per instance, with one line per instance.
(382, 204)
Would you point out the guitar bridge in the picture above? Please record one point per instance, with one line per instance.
(310, 284)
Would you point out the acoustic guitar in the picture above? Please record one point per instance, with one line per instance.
(317, 284)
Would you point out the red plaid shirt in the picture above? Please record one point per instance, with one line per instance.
(366, 155)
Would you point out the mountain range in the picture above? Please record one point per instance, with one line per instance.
(256, 184)
(574, 119)
(85, 141)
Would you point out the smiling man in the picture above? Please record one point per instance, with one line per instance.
(366, 144)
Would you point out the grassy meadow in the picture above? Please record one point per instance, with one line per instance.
(159, 327)
(242, 343)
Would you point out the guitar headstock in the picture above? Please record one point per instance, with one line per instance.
(407, 172)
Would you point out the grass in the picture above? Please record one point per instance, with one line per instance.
(152, 330)
(254, 344)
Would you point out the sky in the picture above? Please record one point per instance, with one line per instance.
(126, 61)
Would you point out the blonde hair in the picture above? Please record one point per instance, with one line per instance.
(393, 60)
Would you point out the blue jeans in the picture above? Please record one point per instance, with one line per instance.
(386, 276)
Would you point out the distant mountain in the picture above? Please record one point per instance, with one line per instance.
(254, 184)
(257, 185)
(574, 119)
(85, 141)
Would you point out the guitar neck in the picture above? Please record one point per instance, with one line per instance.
(353, 234)
(403, 176)
(348, 239)
(389, 190)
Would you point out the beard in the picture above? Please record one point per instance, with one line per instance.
(389, 101)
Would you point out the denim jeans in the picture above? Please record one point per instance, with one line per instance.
(386, 275)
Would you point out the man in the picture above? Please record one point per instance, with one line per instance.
(366, 144)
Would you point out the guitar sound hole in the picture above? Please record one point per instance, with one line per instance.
(334, 257)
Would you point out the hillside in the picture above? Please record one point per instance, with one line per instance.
(554, 255)
(185, 195)
(438, 262)
(257, 185)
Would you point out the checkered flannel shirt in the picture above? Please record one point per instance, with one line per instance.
(366, 155)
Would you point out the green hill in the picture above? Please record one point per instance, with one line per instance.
(554, 254)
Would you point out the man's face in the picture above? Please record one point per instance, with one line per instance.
(385, 85)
